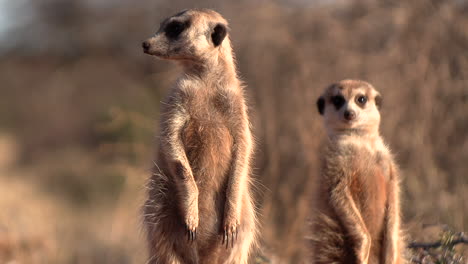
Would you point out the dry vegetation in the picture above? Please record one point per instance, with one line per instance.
(79, 107)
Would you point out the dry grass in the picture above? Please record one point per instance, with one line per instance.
(83, 104)
(40, 223)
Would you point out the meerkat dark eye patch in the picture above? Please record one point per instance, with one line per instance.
(338, 101)
(218, 35)
(174, 28)
(321, 105)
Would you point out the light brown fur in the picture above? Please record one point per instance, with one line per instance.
(356, 203)
(200, 207)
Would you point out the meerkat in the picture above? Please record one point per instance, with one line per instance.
(200, 207)
(357, 206)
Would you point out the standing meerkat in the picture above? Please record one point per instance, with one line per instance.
(200, 207)
(357, 206)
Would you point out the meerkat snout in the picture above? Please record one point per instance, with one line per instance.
(349, 115)
(146, 45)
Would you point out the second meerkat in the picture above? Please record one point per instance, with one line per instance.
(200, 207)
(357, 205)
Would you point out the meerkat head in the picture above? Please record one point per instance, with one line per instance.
(190, 35)
(350, 105)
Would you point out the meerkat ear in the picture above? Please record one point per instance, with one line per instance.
(218, 35)
(378, 101)
(321, 105)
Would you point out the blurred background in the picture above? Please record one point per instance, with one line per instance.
(79, 106)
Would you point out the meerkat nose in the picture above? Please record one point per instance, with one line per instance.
(349, 115)
(145, 46)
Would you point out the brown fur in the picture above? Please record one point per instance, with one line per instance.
(200, 186)
(357, 214)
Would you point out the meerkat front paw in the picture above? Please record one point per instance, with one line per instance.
(230, 229)
(191, 221)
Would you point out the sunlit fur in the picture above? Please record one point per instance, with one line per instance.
(201, 177)
(356, 207)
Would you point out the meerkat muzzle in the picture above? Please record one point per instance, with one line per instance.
(146, 46)
(349, 115)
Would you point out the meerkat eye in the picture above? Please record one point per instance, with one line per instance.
(338, 101)
(174, 29)
(361, 100)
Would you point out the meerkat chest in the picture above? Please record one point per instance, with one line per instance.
(212, 107)
(207, 134)
(368, 175)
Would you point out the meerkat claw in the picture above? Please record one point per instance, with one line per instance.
(227, 239)
(191, 234)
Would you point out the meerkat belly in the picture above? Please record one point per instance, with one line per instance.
(370, 193)
(208, 145)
